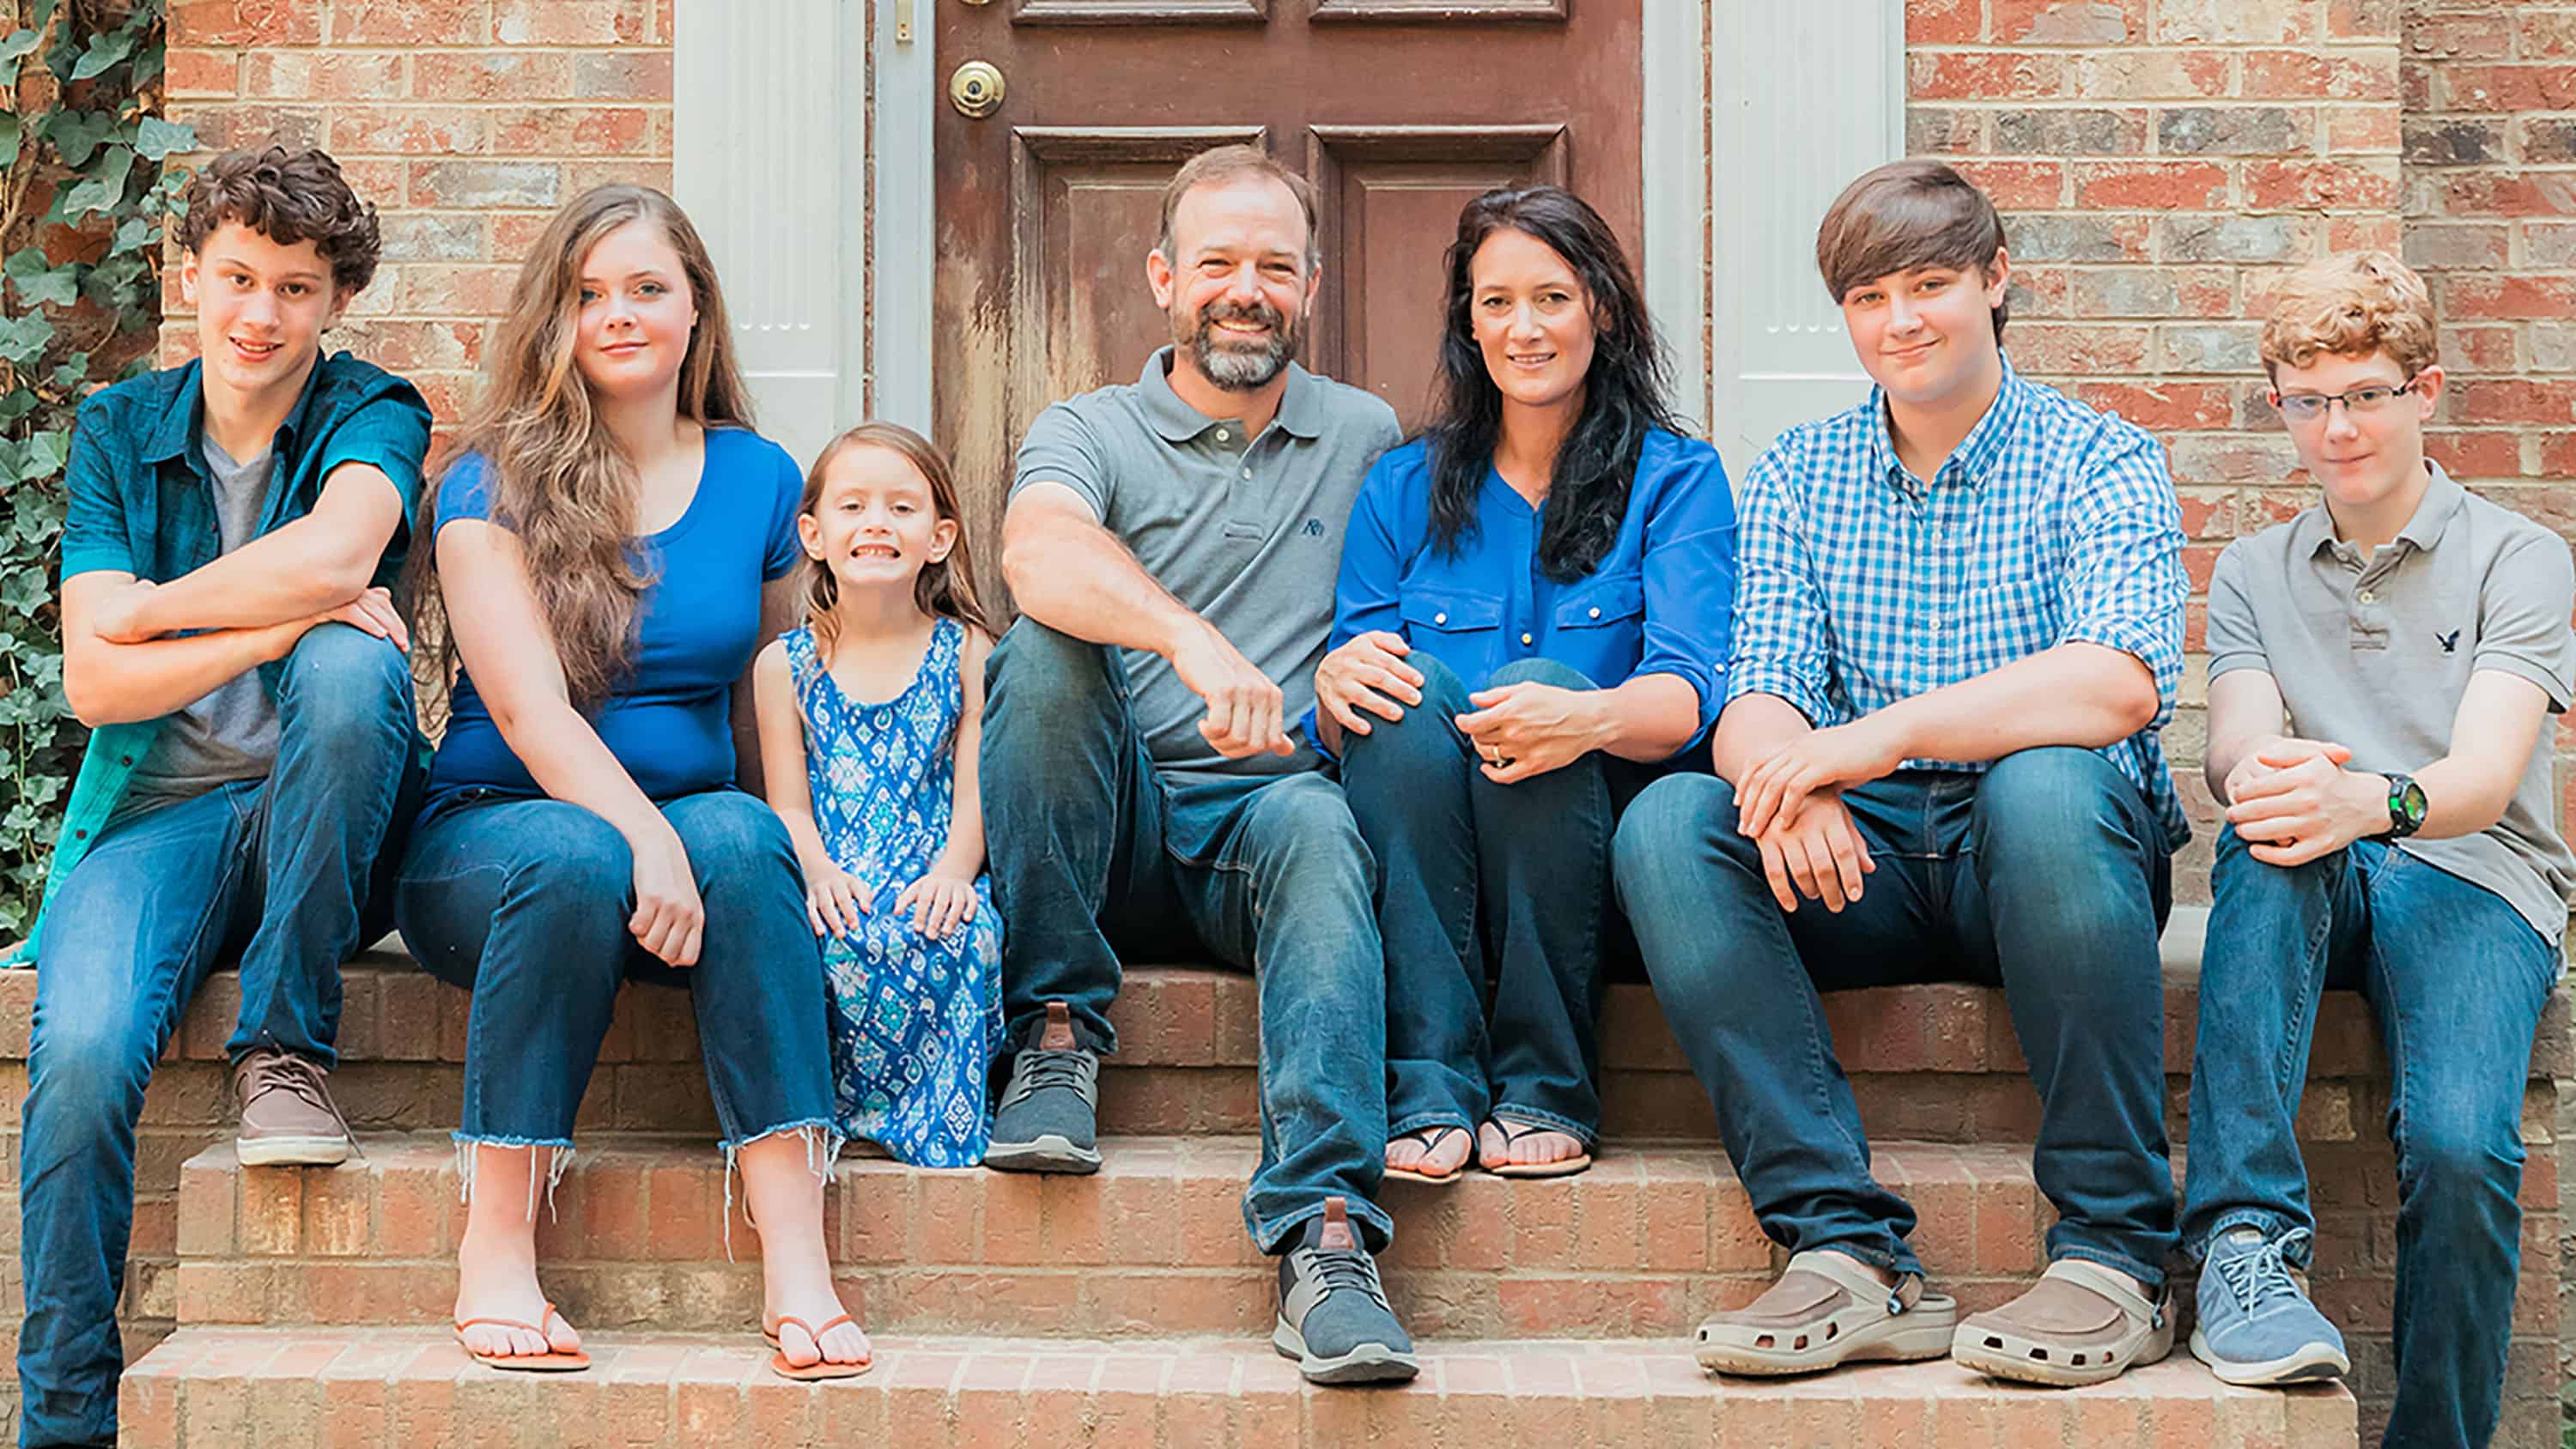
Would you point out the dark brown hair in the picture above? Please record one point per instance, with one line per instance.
(1234, 163)
(1904, 215)
(557, 478)
(287, 197)
(945, 588)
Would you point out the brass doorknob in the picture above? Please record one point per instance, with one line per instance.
(975, 89)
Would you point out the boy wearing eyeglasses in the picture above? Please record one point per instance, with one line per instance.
(2382, 668)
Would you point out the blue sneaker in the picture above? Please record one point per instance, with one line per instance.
(2256, 1324)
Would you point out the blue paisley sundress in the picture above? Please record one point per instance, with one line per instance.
(914, 1020)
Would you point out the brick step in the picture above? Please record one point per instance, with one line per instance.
(1935, 1063)
(229, 1388)
(1644, 1244)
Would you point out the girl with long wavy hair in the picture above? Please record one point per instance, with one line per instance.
(1531, 623)
(609, 549)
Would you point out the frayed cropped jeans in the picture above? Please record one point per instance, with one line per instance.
(2457, 979)
(1507, 883)
(524, 902)
(2046, 874)
(1092, 845)
(294, 872)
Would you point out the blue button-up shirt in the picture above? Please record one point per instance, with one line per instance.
(138, 502)
(1658, 602)
(1863, 585)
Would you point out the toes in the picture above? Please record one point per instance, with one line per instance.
(846, 1344)
(560, 1336)
(1404, 1154)
(798, 1346)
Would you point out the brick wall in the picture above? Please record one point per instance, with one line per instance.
(466, 121)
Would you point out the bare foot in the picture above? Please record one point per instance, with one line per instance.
(1497, 1147)
(815, 1303)
(499, 1280)
(1435, 1151)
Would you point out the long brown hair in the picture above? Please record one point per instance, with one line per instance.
(558, 478)
(945, 588)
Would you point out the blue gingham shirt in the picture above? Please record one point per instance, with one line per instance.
(1860, 585)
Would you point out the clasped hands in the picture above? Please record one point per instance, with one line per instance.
(2292, 801)
(1517, 730)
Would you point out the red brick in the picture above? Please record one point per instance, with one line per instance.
(2303, 74)
(2323, 184)
(408, 130)
(1944, 22)
(2513, 400)
(311, 75)
(2551, 298)
(2068, 22)
(1997, 75)
(2510, 88)
(2152, 186)
(203, 73)
(2017, 185)
(244, 22)
(494, 75)
(572, 22)
(405, 22)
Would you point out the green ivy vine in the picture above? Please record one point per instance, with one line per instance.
(83, 195)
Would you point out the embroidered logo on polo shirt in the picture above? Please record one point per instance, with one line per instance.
(1314, 528)
(2450, 642)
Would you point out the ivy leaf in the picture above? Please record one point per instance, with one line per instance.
(104, 188)
(157, 138)
(10, 130)
(104, 51)
(73, 372)
(13, 49)
(23, 339)
(46, 453)
(76, 134)
(132, 235)
(39, 281)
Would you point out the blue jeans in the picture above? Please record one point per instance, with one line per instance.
(291, 871)
(524, 902)
(1092, 845)
(2046, 874)
(2457, 979)
(1483, 881)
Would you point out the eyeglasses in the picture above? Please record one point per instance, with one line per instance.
(2307, 407)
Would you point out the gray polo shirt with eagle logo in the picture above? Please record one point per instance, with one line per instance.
(1245, 532)
(2374, 654)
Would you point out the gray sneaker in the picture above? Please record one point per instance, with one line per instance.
(2256, 1324)
(287, 1115)
(1049, 1116)
(1333, 1315)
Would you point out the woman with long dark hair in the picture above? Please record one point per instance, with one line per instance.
(1531, 623)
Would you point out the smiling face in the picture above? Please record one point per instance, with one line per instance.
(1235, 282)
(631, 332)
(874, 523)
(1533, 320)
(2361, 456)
(261, 308)
(1928, 334)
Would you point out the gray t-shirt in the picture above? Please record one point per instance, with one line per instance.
(1245, 532)
(230, 732)
(2374, 654)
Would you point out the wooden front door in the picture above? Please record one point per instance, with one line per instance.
(1398, 110)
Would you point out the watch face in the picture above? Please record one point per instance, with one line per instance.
(2411, 801)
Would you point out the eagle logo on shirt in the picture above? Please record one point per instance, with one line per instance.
(2450, 642)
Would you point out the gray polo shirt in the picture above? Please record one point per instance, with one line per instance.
(1246, 532)
(2375, 654)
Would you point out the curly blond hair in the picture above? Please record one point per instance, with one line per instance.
(2351, 306)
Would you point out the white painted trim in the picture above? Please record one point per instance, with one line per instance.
(1673, 156)
(904, 266)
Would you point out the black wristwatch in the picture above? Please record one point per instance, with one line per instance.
(2406, 807)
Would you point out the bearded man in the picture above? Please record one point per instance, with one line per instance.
(1172, 545)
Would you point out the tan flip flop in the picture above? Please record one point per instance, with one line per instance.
(1827, 1310)
(820, 1368)
(1514, 1130)
(550, 1362)
(2081, 1323)
(1430, 1137)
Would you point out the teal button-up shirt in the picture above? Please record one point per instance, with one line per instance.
(139, 502)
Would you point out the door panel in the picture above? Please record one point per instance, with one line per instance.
(1399, 111)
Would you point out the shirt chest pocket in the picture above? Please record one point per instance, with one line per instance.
(1615, 602)
(1452, 612)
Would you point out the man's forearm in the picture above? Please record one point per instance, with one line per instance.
(119, 683)
(280, 576)
(2083, 695)
(1751, 730)
(1079, 581)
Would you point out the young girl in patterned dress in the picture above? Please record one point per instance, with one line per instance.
(869, 715)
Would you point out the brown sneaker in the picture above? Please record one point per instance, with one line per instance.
(287, 1115)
